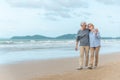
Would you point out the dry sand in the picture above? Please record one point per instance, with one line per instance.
(62, 69)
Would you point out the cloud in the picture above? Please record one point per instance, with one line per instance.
(48, 4)
(52, 8)
(57, 15)
(110, 2)
(35, 16)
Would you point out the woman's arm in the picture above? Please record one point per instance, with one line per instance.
(97, 33)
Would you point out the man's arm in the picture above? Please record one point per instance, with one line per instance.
(77, 41)
(76, 47)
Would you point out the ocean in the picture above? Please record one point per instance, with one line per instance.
(13, 51)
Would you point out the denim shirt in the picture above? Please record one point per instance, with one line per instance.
(94, 39)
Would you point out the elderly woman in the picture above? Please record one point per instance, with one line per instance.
(94, 37)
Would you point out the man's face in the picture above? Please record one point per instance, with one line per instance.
(83, 25)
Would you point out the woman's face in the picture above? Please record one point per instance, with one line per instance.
(90, 26)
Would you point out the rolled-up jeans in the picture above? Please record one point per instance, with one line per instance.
(94, 56)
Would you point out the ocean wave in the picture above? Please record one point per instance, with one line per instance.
(21, 45)
(32, 44)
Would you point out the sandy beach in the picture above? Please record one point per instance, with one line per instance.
(62, 69)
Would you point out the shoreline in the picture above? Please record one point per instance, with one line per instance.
(41, 69)
(57, 58)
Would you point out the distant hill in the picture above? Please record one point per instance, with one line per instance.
(65, 36)
(31, 37)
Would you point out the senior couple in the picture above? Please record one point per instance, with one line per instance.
(88, 38)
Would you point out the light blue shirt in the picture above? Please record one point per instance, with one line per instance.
(94, 39)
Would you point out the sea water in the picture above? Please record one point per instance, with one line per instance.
(13, 51)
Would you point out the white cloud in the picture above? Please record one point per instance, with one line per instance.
(110, 2)
(60, 8)
(54, 17)
(48, 4)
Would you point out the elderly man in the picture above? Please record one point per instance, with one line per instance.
(83, 39)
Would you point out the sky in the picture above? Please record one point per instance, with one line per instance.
(56, 17)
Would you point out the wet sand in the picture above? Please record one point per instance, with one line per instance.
(62, 69)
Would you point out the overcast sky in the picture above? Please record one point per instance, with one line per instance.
(57, 17)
